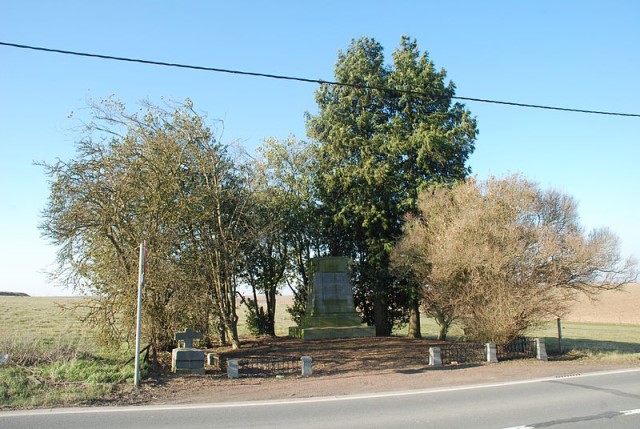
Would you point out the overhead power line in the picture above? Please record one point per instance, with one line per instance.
(306, 80)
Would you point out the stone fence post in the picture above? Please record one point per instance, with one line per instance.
(541, 350)
(306, 366)
(435, 357)
(490, 352)
(232, 368)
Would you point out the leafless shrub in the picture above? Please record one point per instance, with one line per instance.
(503, 254)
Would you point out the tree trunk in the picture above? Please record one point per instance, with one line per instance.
(222, 333)
(444, 323)
(233, 326)
(414, 319)
(155, 363)
(442, 334)
(228, 316)
(232, 334)
(271, 311)
(381, 315)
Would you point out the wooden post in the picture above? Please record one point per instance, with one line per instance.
(560, 336)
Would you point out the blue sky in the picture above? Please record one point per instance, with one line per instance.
(581, 54)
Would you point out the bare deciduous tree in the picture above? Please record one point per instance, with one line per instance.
(504, 254)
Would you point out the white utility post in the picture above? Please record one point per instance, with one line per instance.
(141, 270)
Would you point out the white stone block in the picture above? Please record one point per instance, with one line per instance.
(491, 353)
(232, 368)
(541, 350)
(306, 366)
(435, 357)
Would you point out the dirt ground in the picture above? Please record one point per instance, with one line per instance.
(373, 365)
(343, 367)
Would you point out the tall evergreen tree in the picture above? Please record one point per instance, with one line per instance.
(377, 148)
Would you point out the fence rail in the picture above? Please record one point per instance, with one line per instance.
(269, 364)
(519, 348)
(462, 353)
(255, 365)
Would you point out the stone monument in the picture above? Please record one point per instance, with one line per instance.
(330, 310)
(187, 359)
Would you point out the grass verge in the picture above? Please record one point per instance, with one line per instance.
(38, 374)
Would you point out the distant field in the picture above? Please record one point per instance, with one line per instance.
(43, 318)
(611, 307)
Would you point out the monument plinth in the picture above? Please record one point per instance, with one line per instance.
(330, 310)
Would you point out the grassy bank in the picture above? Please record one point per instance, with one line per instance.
(54, 359)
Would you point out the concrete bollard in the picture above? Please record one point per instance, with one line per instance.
(435, 357)
(541, 350)
(490, 351)
(306, 366)
(232, 368)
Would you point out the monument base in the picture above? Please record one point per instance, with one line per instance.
(187, 361)
(331, 332)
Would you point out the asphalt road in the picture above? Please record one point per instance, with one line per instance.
(608, 399)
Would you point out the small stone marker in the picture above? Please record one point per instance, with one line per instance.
(306, 366)
(541, 350)
(491, 354)
(4, 358)
(187, 360)
(232, 368)
(435, 357)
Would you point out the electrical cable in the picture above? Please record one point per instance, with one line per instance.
(307, 80)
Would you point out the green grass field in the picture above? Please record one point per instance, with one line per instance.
(594, 340)
(43, 319)
(54, 358)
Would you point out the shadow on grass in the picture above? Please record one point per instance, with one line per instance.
(575, 349)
